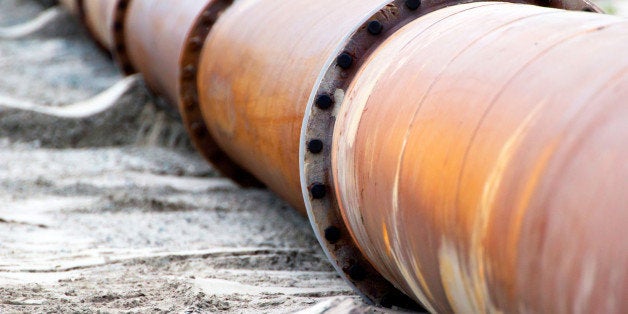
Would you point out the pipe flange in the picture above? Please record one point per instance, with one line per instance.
(316, 140)
(189, 105)
(119, 50)
(315, 155)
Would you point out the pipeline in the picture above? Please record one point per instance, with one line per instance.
(466, 157)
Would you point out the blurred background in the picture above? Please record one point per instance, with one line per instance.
(619, 7)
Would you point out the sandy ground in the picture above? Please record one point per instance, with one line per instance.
(104, 207)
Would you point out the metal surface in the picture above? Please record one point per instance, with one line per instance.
(258, 68)
(189, 107)
(315, 149)
(155, 33)
(492, 177)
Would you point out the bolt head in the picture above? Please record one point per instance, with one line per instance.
(189, 72)
(196, 43)
(375, 28)
(318, 190)
(332, 234)
(315, 146)
(344, 60)
(413, 4)
(324, 102)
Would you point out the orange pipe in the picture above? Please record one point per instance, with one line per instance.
(258, 68)
(155, 33)
(479, 160)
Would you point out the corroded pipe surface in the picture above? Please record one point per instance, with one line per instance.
(478, 157)
(258, 68)
(155, 32)
(480, 160)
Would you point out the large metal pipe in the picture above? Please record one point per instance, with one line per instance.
(257, 120)
(469, 148)
(480, 160)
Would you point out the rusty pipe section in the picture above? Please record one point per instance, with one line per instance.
(480, 160)
(155, 33)
(255, 79)
(255, 82)
(472, 157)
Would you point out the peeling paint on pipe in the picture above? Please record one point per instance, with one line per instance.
(480, 160)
